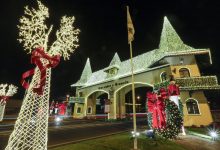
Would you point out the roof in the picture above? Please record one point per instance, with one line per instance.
(170, 45)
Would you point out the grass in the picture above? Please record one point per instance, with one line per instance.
(198, 130)
(202, 132)
(122, 142)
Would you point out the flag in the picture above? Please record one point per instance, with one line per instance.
(130, 27)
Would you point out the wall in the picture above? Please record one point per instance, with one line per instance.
(204, 118)
(146, 78)
(78, 115)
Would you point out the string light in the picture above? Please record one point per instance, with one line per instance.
(32, 121)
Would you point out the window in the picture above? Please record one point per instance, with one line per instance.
(112, 72)
(184, 72)
(163, 76)
(89, 111)
(78, 110)
(192, 106)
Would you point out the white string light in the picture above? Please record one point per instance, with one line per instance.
(31, 127)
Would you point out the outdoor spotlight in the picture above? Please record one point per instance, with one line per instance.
(213, 134)
(137, 134)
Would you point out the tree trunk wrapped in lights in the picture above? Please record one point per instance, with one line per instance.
(5, 93)
(31, 128)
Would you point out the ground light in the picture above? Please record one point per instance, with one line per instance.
(135, 134)
(213, 134)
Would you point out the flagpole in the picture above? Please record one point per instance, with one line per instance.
(130, 39)
(133, 98)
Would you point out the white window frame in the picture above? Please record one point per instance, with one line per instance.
(161, 75)
(197, 105)
(185, 68)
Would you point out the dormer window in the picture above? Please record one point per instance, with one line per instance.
(112, 71)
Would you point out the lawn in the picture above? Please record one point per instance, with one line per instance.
(122, 142)
(198, 130)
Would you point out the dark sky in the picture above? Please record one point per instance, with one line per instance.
(104, 32)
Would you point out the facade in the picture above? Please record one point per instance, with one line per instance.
(173, 57)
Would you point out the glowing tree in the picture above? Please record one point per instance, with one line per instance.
(31, 128)
(6, 91)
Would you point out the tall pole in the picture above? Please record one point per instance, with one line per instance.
(133, 98)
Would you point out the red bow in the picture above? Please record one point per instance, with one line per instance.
(163, 93)
(156, 107)
(36, 57)
(3, 99)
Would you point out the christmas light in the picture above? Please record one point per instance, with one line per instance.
(170, 45)
(195, 83)
(31, 126)
(6, 91)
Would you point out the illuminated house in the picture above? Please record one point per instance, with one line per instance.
(173, 57)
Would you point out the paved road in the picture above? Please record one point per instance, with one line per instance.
(71, 131)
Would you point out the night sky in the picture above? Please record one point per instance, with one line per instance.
(104, 32)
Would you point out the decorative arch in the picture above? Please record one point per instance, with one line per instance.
(96, 91)
(184, 72)
(86, 98)
(192, 106)
(116, 91)
(147, 84)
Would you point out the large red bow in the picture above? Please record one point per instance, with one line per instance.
(163, 93)
(156, 107)
(36, 57)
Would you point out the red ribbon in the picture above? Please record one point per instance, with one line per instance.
(36, 57)
(4, 99)
(163, 93)
(156, 106)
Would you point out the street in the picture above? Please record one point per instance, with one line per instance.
(71, 131)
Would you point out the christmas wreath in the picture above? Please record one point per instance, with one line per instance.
(164, 116)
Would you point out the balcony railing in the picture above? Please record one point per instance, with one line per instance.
(198, 83)
(77, 100)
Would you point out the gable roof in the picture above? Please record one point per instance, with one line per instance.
(87, 72)
(170, 40)
(170, 45)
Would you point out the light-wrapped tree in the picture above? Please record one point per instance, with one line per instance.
(6, 91)
(31, 128)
